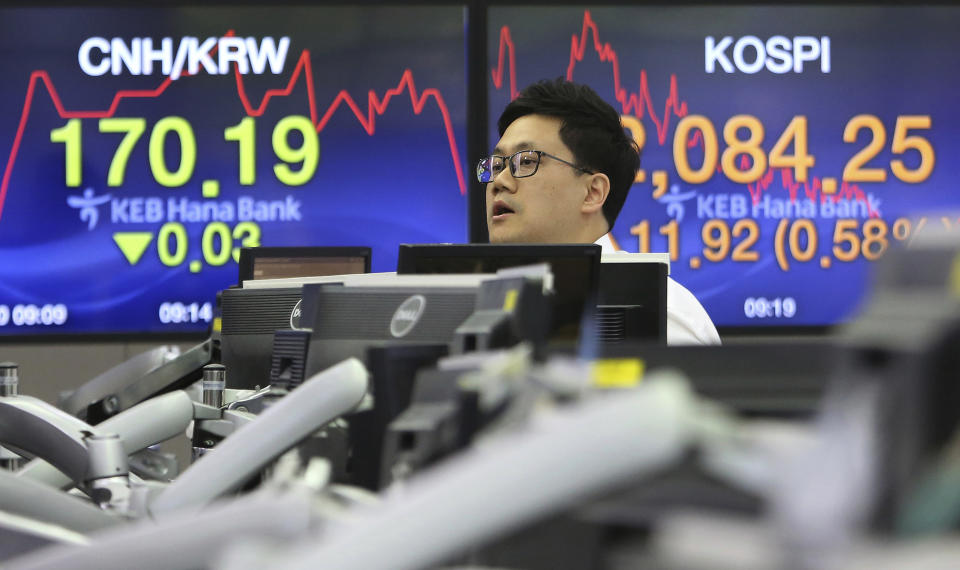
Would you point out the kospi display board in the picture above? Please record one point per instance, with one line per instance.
(143, 147)
(784, 148)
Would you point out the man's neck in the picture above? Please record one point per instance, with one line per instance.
(593, 232)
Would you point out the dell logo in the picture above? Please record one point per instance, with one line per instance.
(779, 54)
(407, 315)
(295, 315)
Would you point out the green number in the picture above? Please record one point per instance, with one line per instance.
(134, 129)
(163, 244)
(243, 132)
(249, 235)
(213, 230)
(308, 153)
(69, 135)
(188, 151)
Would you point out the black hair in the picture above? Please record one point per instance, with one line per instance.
(590, 127)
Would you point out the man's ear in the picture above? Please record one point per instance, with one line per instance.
(598, 188)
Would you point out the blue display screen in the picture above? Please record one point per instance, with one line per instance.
(143, 147)
(784, 149)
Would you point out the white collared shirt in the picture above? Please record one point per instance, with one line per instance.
(687, 320)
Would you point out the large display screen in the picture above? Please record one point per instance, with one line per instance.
(142, 148)
(784, 148)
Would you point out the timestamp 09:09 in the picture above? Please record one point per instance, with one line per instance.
(30, 315)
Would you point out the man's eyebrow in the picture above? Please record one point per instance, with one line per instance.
(498, 150)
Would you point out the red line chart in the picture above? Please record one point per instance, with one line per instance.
(376, 106)
(813, 190)
(641, 104)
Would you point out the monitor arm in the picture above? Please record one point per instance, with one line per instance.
(93, 458)
(143, 425)
(320, 399)
(510, 480)
(33, 426)
(183, 540)
(39, 502)
(148, 375)
(75, 402)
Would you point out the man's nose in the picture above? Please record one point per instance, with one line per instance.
(504, 181)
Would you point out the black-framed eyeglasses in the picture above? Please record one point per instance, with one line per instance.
(522, 164)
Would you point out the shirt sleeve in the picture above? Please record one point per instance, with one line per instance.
(687, 320)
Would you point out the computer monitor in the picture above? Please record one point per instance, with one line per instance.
(466, 312)
(575, 269)
(393, 372)
(777, 378)
(397, 324)
(283, 262)
(632, 298)
(251, 316)
(185, 129)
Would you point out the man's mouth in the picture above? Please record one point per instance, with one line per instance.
(501, 210)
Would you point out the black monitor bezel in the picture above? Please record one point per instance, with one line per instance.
(249, 255)
(408, 254)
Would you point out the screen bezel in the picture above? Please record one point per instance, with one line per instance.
(409, 255)
(477, 142)
(250, 255)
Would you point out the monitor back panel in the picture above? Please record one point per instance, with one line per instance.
(632, 302)
(346, 321)
(575, 269)
(250, 318)
(284, 262)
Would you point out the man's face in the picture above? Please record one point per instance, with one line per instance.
(545, 207)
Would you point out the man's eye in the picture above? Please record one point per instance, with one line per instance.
(496, 167)
(526, 161)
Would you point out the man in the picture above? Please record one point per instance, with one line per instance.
(560, 173)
